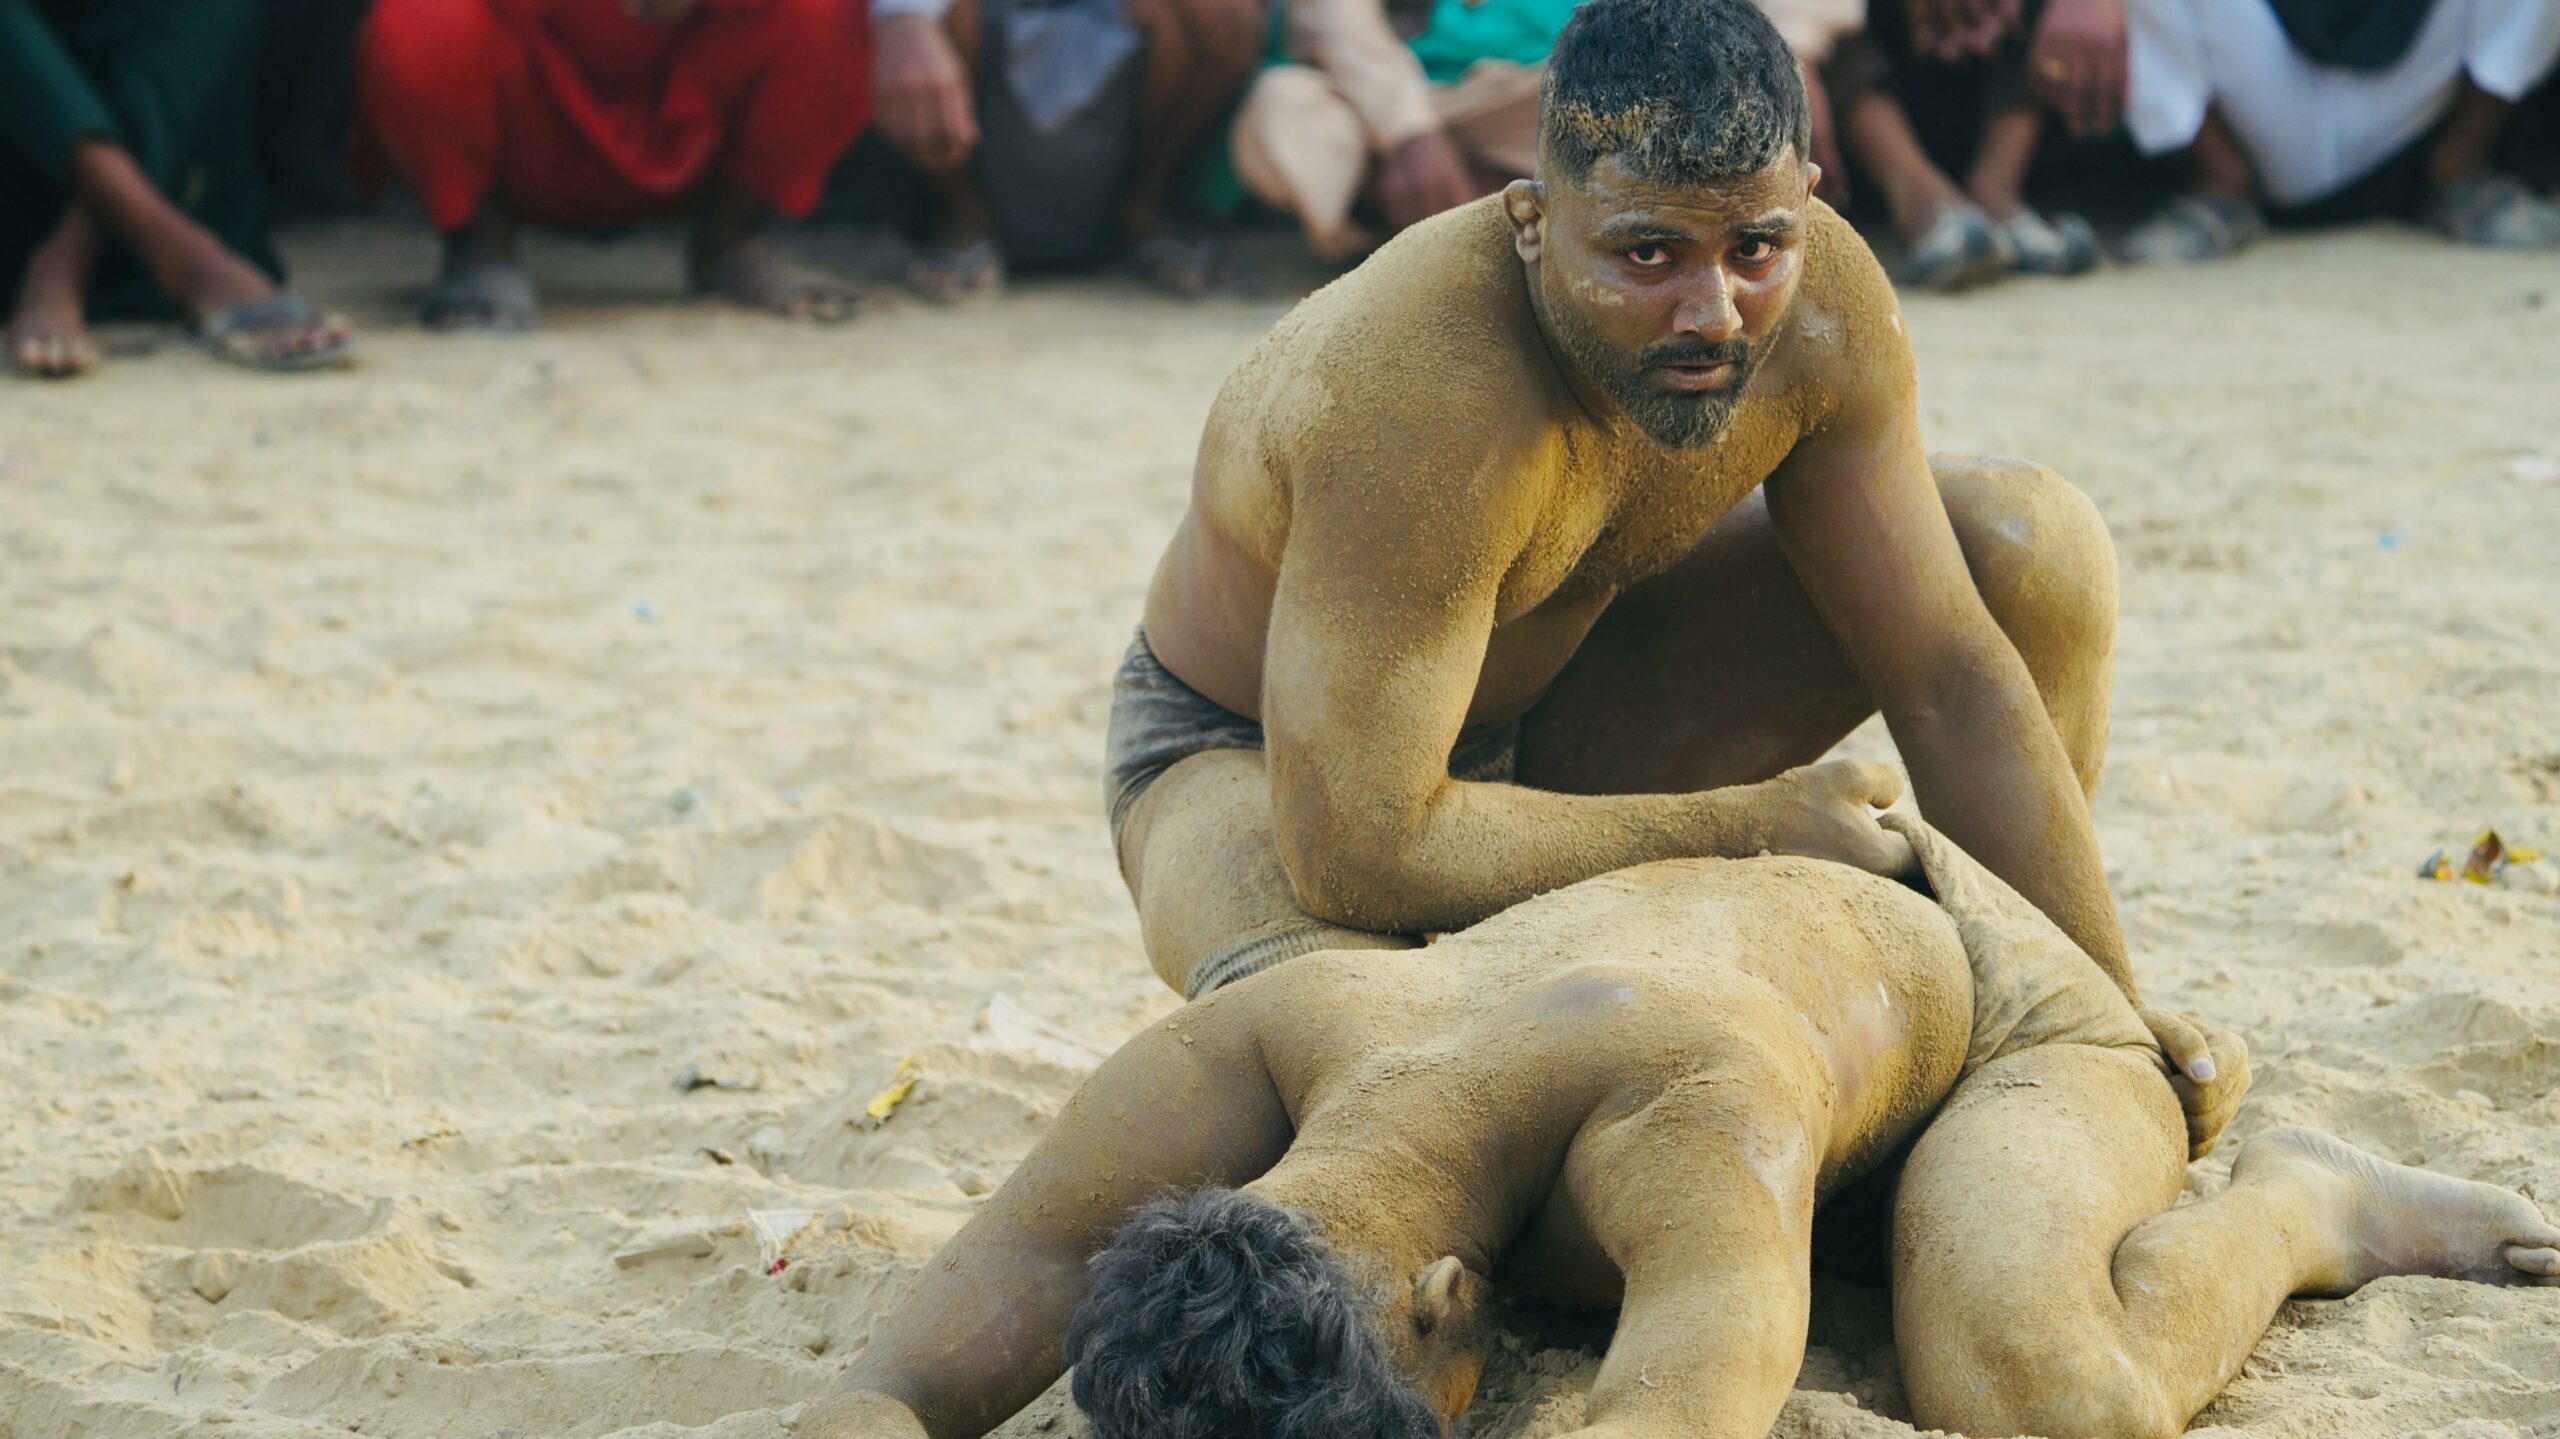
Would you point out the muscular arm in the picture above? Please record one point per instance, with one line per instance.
(1860, 518)
(1189, 1102)
(1379, 626)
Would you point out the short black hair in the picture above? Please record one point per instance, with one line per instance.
(1221, 1315)
(1685, 92)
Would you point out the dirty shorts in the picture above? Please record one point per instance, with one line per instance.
(1157, 722)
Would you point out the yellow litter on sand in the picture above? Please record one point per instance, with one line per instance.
(2490, 853)
(901, 1084)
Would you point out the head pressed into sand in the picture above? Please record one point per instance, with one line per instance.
(1223, 1313)
(1665, 232)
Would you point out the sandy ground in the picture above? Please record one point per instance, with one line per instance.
(407, 776)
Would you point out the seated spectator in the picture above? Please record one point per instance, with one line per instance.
(610, 112)
(1429, 125)
(128, 183)
(2301, 100)
(1955, 236)
(1053, 132)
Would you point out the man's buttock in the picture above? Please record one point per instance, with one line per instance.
(1157, 722)
(2031, 985)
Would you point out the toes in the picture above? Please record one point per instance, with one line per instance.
(2543, 1263)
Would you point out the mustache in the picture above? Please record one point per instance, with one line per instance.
(1694, 352)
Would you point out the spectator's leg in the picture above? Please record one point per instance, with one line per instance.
(1198, 56)
(48, 328)
(960, 258)
(795, 80)
(429, 76)
(1998, 180)
(1300, 147)
(54, 107)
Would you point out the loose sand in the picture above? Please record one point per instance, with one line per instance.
(405, 776)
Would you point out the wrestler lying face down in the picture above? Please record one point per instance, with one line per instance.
(1635, 1091)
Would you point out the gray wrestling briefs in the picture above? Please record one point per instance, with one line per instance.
(1157, 722)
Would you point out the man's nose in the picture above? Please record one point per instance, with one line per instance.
(1707, 311)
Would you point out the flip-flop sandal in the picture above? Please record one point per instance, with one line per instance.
(1960, 249)
(497, 296)
(1194, 267)
(233, 336)
(2195, 227)
(948, 274)
(831, 299)
(2061, 245)
(2495, 210)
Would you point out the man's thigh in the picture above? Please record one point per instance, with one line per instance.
(2006, 1227)
(1719, 671)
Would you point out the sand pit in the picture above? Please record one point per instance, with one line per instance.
(407, 778)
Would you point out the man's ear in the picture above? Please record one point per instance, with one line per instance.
(1435, 1293)
(1525, 201)
(1812, 178)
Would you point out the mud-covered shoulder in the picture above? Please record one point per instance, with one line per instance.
(1849, 343)
(1426, 338)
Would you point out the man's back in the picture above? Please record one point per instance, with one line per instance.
(1821, 991)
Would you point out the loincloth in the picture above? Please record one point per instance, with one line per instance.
(2032, 985)
(1157, 722)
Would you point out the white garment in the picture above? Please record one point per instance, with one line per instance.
(2312, 130)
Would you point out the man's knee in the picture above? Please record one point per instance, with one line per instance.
(2025, 1376)
(1220, 37)
(2036, 545)
(427, 54)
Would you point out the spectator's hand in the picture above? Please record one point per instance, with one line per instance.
(1961, 29)
(2076, 62)
(1426, 175)
(2208, 1069)
(923, 101)
(1833, 187)
(660, 12)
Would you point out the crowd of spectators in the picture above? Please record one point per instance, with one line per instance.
(141, 140)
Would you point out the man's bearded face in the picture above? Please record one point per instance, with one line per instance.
(1663, 298)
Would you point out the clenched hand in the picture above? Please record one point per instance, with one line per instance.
(2209, 1069)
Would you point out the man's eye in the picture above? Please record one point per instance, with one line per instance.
(1650, 257)
(1755, 252)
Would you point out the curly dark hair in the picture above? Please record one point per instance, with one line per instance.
(1220, 1315)
(1685, 92)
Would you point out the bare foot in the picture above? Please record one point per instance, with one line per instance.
(2387, 1218)
(757, 274)
(49, 334)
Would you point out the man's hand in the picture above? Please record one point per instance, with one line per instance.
(1958, 29)
(2076, 64)
(923, 101)
(1827, 811)
(1426, 175)
(858, 1415)
(2209, 1069)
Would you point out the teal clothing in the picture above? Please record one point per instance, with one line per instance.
(1460, 33)
(169, 81)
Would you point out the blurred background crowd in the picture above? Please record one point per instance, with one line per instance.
(146, 146)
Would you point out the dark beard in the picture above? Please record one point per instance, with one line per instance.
(1676, 419)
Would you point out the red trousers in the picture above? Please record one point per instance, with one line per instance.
(580, 115)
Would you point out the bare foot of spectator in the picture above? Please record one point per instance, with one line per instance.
(49, 330)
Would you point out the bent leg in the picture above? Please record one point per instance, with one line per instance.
(428, 76)
(795, 78)
(2044, 1285)
(1720, 672)
(1187, 1103)
(1203, 862)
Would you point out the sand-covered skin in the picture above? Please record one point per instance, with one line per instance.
(406, 775)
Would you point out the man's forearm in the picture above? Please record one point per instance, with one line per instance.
(1991, 774)
(1478, 849)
